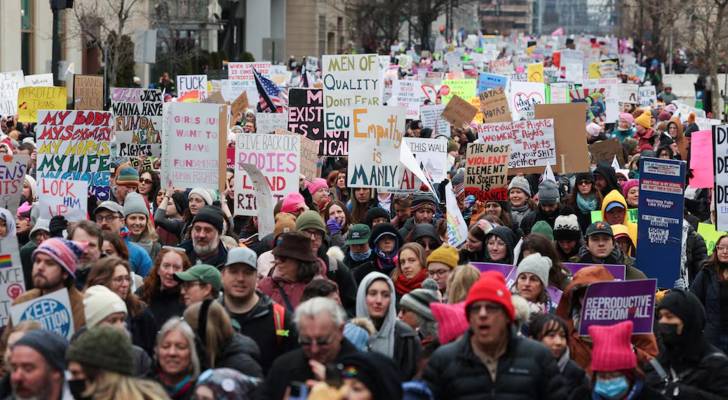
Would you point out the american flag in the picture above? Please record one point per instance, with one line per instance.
(272, 98)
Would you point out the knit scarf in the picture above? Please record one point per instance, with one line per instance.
(403, 285)
(182, 389)
(586, 204)
(386, 262)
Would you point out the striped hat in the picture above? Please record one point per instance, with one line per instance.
(128, 176)
(65, 252)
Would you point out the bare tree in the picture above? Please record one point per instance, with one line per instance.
(709, 40)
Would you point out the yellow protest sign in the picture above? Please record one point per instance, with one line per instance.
(535, 72)
(32, 99)
(594, 72)
(710, 235)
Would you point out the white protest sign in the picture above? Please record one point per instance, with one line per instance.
(12, 174)
(263, 196)
(432, 154)
(523, 97)
(10, 83)
(231, 90)
(413, 174)
(39, 80)
(720, 169)
(377, 136)
(532, 142)
(12, 281)
(242, 72)
(66, 197)
(431, 117)
(457, 229)
(270, 122)
(138, 121)
(626, 93)
(648, 95)
(53, 311)
(407, 94)
(192, 87)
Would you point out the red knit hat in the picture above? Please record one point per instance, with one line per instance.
(612, 347)
(491, 287)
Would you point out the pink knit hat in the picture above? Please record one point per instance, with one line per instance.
(629, 185)
(612, 347)
(65, 252)
(292, 203)
(451, 321)
(316, 185)
(627, 117)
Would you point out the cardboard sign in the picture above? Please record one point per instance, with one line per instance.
(523, 96)
(494, 106)
(277, 157)
(488, 81)
(720, 171)
(137, 122)
(263, 196)
(626, 93)
(532, 143)
(377, 135)
(459, 112)
(306, 114)
(39, 80)
(660, 225)
(486, 170)
(701, 143)
(238, 108)
(431, 117)
(53, 311)
(270, 122)
(407, 94)
(66, 197)
(33, 99)
(350, 80)
(571, 152)
(191, 88)
(12, 174)
(457, 230)
(76, 145)
(193, 147)
(608, 303)
(604, 151)
(88, 92)
(463, 88)
(617, 271)
(10, 84)
(309, 157)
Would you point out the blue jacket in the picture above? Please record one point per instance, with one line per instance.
(139, 259)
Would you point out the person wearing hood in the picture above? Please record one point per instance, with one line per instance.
(711, 288)
(688, 366)
(567, 237)
(584, 198)
(371, 376)
(605, 180)
(426, 236)
(474, 248)
(614, 212)
(644, 132)
(519, 197)
(624, 240)
(7, 229)
(375, 299)
(499, 245)
(376, 216)
(385, 243)
(548, 207)
(424, 207)
(569, 309)
(600, 248)
(623, 129)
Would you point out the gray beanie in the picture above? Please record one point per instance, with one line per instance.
(419, 301)
(49, 344)
(536, 264)
(548, 193)
(135, 204)
(519, 182)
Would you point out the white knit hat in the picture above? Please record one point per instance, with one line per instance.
(536, 264)
(202, 192)
(566, 227)
(99, 302)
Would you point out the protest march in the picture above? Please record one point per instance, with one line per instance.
(508, 217)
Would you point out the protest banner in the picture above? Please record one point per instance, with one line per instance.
(263, 196)
(720, 172)
(88, 92)
(191, 88)
(647, 95)
(431, 117)
(463, 88)
(39, 80)
(486, 170)
(457, 229)
(193, 145)
(306, 114)
(504, 269)
(350, 80)
(459, 112)
(604, 151)
(309, 157)
(531, 142)
(376, 133)
(494, 106)
(431, 154)
(522, 98)
(571, 151)
(238, 108)
(535, 72)
(66, 197)
(617, 271)
(710, 235)
(53, 312)
(137, 122)
(701, 142)
(240, 75)
(76, 145)
(412, 175)
(608, 303)
(407, 94)
(33, 99)
(659, 228)
(270, 122)
(12, 173)
(10, 83)
(488, 81)
(12, 281)
(278, 157)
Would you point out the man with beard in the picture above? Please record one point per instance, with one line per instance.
(90, 234)
(548, 207)
(54, 268)
(205, 246)
(37, 365)
(109, 216)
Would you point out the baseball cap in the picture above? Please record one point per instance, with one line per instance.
(242, 255)
(358, 234)
(613, 205)
(599, 227)
(109, 205)
(204, 273)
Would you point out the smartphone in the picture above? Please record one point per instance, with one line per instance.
(298, 391)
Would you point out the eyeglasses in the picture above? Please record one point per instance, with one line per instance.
(106, 218)
(721, 248)
(146, 181)
(439, 272)
(489, 308)
(585, 183)
(307, 342)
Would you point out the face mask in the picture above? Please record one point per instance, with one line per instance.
(668, 332)
(360, 256)
(611, 388)
(77, 387)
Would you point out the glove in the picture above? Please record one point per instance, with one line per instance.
(57, 225)
(333, 226)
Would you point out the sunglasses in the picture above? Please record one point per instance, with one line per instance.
(146, 181)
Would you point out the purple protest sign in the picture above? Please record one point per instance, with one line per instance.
(554, 294)
(607, 303)
(504, 269)
(617, 271)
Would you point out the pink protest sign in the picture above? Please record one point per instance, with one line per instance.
(701, 161)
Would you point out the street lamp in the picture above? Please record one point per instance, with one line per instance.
(56, 7)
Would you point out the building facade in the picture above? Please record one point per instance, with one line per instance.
(506, 16)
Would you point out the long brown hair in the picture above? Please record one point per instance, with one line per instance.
(152, 284)
(119, 245)
(358, 210)
(419, 253)
(347, 214)
(538, 243)
(102, 273)
(713, 263)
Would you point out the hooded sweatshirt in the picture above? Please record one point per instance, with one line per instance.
(608, 173)
(505, 234)
(581, 347)
(611, 197)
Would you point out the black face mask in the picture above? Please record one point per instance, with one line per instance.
(77, 387)
(668, 333)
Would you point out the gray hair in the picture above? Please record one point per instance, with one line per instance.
(314, 307)
(178, 324)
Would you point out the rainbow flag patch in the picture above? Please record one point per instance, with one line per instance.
(5, 261)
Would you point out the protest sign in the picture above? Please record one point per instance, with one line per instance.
(710, 235)
(459, 112)
(504, 269)
(12, 173)
(571, 151)
(617, 271)
(407, 94)
(457, 229)
(33, 99)
(494, 106)
(232, 90)
(66, 197)
(270, 122)
(604, 151)
(238, 108)
(522, 98)
(191, 88)
(350, 80)
(306, 114)
(10, 83)
(431, 117)
(535, 72)
(12, 281)
(431, 154)
(377, 135)
(647, 95)
(263, 196)
(193, 146)
(531, 142)
(701, 142)
(488, 81)
(412, 175)
(76, 145)
(53, 311)
(88, 92)
(278, 157)
(626, 93)
(720, 171)
(463, 88)
(659, 228)
(309, 158)
(137, 122)
(39, 80)
(608, 303)
(240, 74)
(486, 170)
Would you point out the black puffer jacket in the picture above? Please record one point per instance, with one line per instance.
(526, 371)
(241, 353)
(538, 215)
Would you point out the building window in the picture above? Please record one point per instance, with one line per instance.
(26, 36)
(322, 35)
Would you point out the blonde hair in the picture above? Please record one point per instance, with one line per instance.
(218, 331)
(107, 385)
(460, 281)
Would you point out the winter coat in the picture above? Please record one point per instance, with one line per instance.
(218, 260)
(615, 257)
(337, 271)
(609, 175)
(143, 330)
(611, 197)
(164, 306)
(707, 289)
(527, 370)
(580, 347)
(538, 215)
(696, 252)
(241, 353)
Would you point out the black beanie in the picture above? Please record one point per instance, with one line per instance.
(49, 344)
(211, 215)
(374, 213)
(180, 201)
(377, 372)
